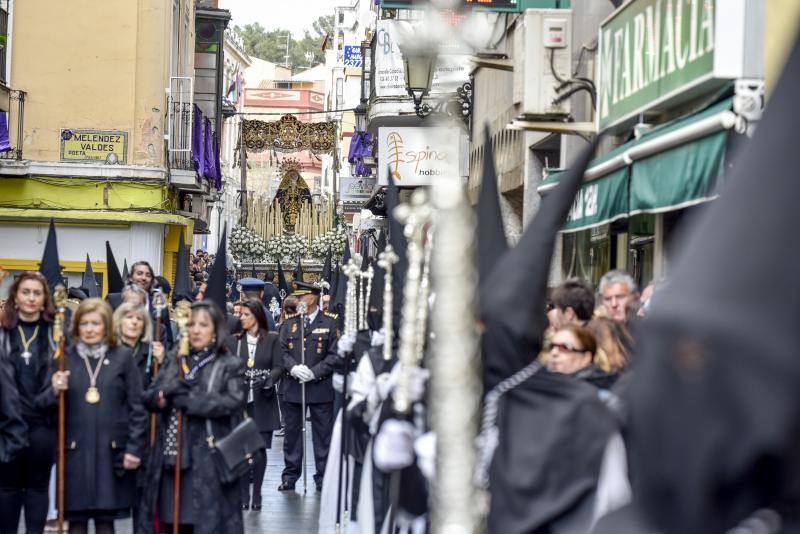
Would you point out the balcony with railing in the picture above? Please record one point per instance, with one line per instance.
(192, 144)
(12, 132)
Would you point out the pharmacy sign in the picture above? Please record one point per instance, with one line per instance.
(655, 53)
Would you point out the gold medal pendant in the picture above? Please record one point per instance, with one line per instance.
(92, 395)
(250, 363)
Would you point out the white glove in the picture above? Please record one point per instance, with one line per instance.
(417, 379)
(394, 445)
(384, 383)
(346, 343)
(338, 382)
(425, 447)
(377, 338)
(302, 373)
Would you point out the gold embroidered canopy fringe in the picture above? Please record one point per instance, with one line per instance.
(289, 135)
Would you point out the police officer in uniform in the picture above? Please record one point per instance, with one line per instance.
(253, 288)
(321, 336)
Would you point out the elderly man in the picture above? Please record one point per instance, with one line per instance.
(617, 288)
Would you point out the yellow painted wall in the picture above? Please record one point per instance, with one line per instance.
(171, 246)
(782, 23)
(67, 267)
(77, 193)
(94, 65)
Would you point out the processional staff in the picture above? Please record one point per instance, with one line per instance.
(414, 217)
(182, 314)
(302, 308)
(386, 261)
(159, 303)
(60, 299)
(352, 318)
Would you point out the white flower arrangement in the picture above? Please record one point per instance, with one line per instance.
(247, 246)
(334, 240)
(287, 247)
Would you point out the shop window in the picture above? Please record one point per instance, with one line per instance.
(587, 254)
(641, 250)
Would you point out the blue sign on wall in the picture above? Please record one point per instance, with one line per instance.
(352, 56)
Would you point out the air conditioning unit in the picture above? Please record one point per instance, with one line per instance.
(542, 60)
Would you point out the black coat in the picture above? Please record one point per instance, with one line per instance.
(264, 408)
(13, 432)
(144, 363)
(216, 507)
(98, 435)
(321, 338)
(272, 292)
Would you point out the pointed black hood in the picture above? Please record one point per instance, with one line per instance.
(398, 242)
(524, 269)
(182, 285)
(492, 243)
(375, 311)
(718, 350)
(339, 296)
(283, 287)
(327, 267)
(297, 274)
(88, 280)
(115, 280)
(50, 267)
(216, 289)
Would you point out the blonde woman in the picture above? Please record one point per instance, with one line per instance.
(105, 421)
(134, 329)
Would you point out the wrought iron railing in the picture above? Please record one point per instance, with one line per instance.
(16, 123)
(4, 48)
(180, 145)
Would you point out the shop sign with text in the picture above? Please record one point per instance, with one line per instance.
(107, 146)
(652, 51)
(356, 189)
(452, 70)
(417, 156)
(352, 56)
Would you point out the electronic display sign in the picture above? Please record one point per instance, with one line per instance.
(493, 5)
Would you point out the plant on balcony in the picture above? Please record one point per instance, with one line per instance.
(247, 246)
(332, 239)
(287, 247)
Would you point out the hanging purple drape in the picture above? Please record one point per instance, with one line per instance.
(198, 144)
(5, 143)
(217, 166)
(365, 147)
(360, 148)
(355, 141)
(208, 164)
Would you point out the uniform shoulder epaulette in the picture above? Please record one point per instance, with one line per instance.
(332, 315)
(292, 315)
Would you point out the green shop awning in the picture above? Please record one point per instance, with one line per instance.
(685, 174)
(598, 201)
(671, 167)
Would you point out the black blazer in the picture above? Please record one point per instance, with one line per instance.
(321, 355)
(98, 435)
(264, 408)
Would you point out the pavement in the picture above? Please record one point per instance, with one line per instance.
(282, 512)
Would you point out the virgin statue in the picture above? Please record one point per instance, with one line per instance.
(292, 192)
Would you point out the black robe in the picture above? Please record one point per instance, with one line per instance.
(264, 408)
(99, 435)
(215, 507)
(13, 432)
